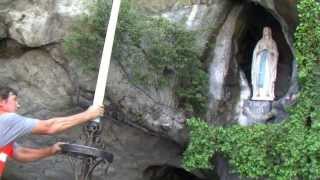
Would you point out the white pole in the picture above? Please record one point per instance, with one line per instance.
(106, 56)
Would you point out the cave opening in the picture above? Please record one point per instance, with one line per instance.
(169, 172)
(249, 31)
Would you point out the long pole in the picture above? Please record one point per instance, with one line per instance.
(106, 56)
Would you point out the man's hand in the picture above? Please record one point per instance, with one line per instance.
(56, 148)
(24, 154)
(95, 111)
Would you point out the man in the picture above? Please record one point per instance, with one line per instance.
(13, 126)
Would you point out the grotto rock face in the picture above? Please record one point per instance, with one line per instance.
(38, 23)
(234, 79)
(3, 33)
(35, 75)
(148, 109)
(29, 27)
(199, 17)
(219, 68)
(285, 11)
(144, 128)
(50, 84)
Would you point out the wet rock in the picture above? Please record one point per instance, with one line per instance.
(38, 23)
(220, 66)
(41, 82)
(3, 30)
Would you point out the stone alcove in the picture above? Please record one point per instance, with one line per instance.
(168, 172)
(248, 32)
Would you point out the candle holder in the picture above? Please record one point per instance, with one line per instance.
(88, 156)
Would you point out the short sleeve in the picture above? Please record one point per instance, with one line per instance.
(13, 126)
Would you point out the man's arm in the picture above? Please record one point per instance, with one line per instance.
(59, 124)
(23, 154)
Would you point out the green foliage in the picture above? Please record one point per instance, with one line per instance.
(85, 41)
(155, 52)
(201, 146)
(192, 91)
(290, 150)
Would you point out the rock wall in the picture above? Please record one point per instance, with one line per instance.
(50, 84)
(230, 83)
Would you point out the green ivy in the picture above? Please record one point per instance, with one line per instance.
(156, 52)
(289, 150)
(201, 147)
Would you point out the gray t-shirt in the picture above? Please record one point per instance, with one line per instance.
(13, 126)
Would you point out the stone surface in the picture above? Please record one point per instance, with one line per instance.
(156, 6)
(3, 26)
(258, 112)
(5, 4)
(199, 17)
(148, 109)
(224, 170)
(286, 13)
(3, 30)
(42, 83)
(38, 23)
(34, 27)
(219, 68)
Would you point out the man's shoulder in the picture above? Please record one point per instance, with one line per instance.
(14, 117)
(10, 115)
(7, 115)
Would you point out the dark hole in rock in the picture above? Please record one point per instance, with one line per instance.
(10, 48)
(167, 172)
(249, 31)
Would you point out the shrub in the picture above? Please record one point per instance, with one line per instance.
(155, 51)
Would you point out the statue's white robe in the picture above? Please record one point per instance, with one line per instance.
(265, 92)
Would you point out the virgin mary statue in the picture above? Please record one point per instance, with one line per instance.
(264, 67)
